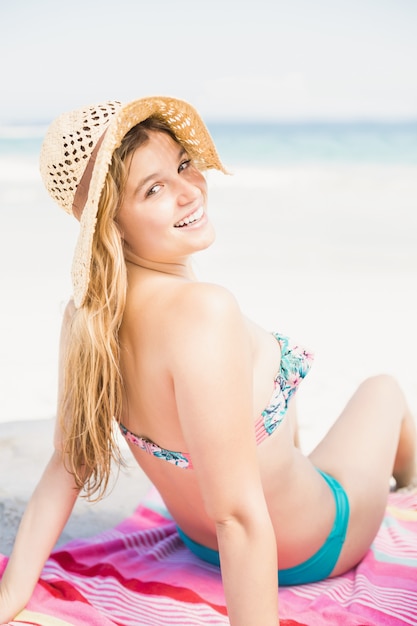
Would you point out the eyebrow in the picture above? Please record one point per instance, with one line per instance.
(155, 175)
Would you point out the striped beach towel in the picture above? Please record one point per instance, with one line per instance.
(140, 573)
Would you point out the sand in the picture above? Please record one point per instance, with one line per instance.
(24, 448)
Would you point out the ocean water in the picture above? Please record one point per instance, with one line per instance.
(260, 144)
(316, 232)
(285, 144)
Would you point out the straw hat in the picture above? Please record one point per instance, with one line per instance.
(77, 151)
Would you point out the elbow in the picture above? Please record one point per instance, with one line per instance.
(244, 535)
(245, 508)
(250, 518)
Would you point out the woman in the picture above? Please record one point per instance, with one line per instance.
(201, 394)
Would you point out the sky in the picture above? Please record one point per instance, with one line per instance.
(232, 59)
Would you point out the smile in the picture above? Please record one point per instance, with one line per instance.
(194, 217)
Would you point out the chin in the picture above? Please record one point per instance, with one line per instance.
(207, 239)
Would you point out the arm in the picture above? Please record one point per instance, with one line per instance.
(46, 515)
(212, 371)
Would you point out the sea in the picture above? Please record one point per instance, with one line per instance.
(260, 144)
(316, 226)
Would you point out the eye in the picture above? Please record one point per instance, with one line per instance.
(153, 190)
(184, 165)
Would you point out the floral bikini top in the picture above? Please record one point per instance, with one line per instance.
(295, 365)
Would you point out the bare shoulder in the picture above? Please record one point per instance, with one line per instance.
(67, 318)
(64, 342)
(207, 318)
(69, 313)
(205, 304)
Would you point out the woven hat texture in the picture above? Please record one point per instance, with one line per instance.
(77, 151)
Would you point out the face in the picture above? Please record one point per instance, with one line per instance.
(163, 216)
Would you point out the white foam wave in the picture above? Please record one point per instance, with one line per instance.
(22, 132)
(16, 168)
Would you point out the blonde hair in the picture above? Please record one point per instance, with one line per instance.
(93, 387)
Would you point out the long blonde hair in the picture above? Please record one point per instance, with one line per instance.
(93, 387)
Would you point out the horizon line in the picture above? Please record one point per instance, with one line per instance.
(16, 129)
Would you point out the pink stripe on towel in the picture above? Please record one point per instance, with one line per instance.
(141, 573)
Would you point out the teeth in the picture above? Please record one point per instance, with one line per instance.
(191, 218)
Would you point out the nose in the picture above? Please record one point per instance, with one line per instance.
(189, 190)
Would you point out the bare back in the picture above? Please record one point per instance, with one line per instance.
(150, 334)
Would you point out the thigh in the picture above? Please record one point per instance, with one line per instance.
(364, 439)
(359, 451)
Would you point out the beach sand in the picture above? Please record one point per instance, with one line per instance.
(325, 254)
(24, 449)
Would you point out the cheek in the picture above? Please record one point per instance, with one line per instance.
(202, 183)
(130, 226)
(143, 236)
(197, 178)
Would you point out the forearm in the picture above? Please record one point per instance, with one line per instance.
(46, 515)
(249, 566)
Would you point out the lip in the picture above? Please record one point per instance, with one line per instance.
(182, 222)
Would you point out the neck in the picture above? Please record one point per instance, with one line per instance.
(181, 269)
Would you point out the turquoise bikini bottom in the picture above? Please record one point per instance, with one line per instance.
(320, 565)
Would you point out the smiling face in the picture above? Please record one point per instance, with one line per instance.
(162, 216)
